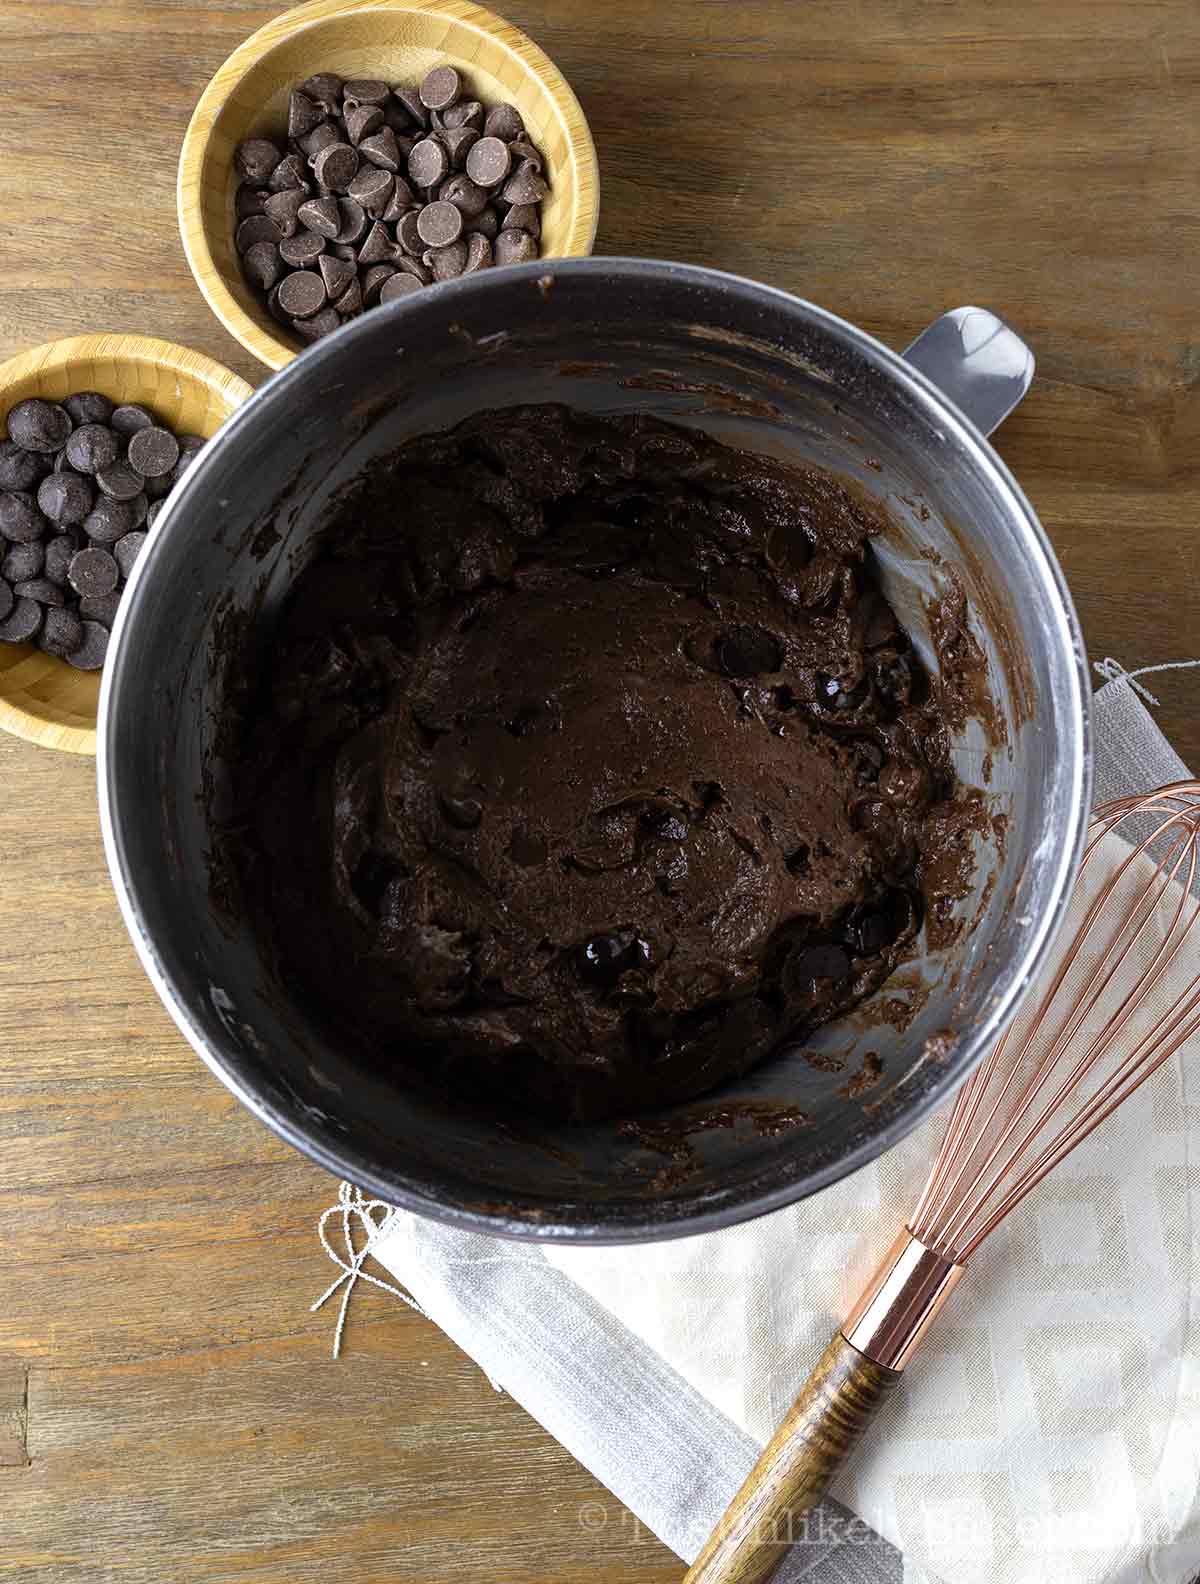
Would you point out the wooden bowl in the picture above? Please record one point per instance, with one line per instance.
(399, 41)
(42, 699)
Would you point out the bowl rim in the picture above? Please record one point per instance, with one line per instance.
(120, 347)
(524, 1219)
(271, 349)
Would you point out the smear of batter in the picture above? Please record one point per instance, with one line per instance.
(592, 765)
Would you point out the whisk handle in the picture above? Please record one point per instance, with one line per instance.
(838, 1402)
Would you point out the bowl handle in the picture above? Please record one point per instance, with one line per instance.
(977, 361)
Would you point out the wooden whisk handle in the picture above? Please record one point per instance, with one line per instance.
(838, 1402)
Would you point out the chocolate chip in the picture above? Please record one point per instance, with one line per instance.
(87, 407)
(303, 114)
(321, 215)
(62, 633)
(249, 201)
(40, 589)
(362, 120)
(373, 188)
(464, 194)
(811, 966)
(90, 654)
(39, 425)
(382, 149)
(109, 520)
(458, 143)
(834, 696)
(603, 959)
(354, 221)
(23, 561)
(93, 571)
(342, 250)
(746, 651)
(398, 284)
(20, 469)
(350, 302)
(259, 228)
(464, 813)
(504, 122)
(525, 186)
(429, 164)
(59, 553)
(303, 294)
(486, 224)
(523, 217)
(466, 116)
(302, 250)
(414, 267)
(7, 600)
(255, 160)
(61, 465)
(323, 88)
(321, 137)
(479, 254)
(514, 247)
(401, 201)
(440, 88)
(523, 152)
(373, 281)
(120, 482)
(366, 90)
(378, 246)
(129, 418)
(335, 167)
(319, 325)
(397, 117)
(22, 622)
(65, 498)
(101, 608)
(153, 452)
(407, 234)
(92, 448)
(289, 174)
(337, 275)
(448, 262)
(488, 162)
(274, 309)
(262, 265)
(282, 208)
(438, 225)
(155, 507)
(411, 100)
(20, 519)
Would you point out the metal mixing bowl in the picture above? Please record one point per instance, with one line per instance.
(754, 366)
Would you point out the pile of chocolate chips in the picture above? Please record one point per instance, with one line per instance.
(381, 191)
(80, 483)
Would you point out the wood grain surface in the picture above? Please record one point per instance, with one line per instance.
(168, 1410)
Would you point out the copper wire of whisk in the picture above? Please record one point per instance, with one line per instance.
(1093, 1036)
(1018, 1092)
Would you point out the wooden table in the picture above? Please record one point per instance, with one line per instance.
(168, 1409)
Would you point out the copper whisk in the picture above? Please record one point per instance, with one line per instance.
(1108, 1018)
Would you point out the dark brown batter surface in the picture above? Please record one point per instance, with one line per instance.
(592, 766)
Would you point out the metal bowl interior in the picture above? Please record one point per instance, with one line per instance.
(758, 368)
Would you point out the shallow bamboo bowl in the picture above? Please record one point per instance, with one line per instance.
(398, 41)
(43, 699)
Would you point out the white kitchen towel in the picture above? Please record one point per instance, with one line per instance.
(1050, 1428)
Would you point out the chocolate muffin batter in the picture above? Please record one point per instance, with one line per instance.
(592, 765)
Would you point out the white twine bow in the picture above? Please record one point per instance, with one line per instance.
(1112, 670)
(370, 1217)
